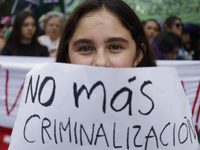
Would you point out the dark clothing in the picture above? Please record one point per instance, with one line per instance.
(24, 50)
(193, 52)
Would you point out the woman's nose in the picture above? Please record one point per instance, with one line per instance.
(101, 59)
(29, 27)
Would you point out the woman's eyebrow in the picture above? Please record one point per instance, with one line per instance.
(110, 40)
(83, 41)
(116, 39)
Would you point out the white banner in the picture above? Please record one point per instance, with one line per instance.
(189, 73)
(13, 71)
(12, 75)
(67, 106)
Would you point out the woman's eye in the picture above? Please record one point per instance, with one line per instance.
(85, 49)
(115, 47)
(148, 28)
(25, 24)
(33, 25)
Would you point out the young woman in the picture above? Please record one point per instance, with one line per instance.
(23, 38)
(105, 33)
(152, 28)
(174, 25)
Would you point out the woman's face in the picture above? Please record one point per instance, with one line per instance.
(101, 40)
(28, 28)
(53, 28)
(173, 54)
(177, 27)
(151, 29)
(185, 37)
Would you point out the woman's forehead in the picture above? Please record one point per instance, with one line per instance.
(103, 13)
(101, 19)
(54, 18)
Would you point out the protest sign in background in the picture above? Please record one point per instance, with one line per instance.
(66, 106)
(187, 10)
(14, 68)
(38, 7)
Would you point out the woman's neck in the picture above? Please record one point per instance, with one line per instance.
(26, 41)
(53, 39)
(187, 45)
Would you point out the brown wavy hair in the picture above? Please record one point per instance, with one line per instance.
(120, 10)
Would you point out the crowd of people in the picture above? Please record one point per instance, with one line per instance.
(27, 36)
(172, 40)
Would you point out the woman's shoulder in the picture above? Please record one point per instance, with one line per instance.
(7, 50)
(44, 51)
(7, 45)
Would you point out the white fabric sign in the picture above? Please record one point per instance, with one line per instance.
(67, 106)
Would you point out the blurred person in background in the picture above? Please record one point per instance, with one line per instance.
(166, 45)
(2, 44)
(174, 24)
(151, 28)
(5, 26)
(51, 23)
(6, 22)
(23, 38)
(2, 41)
(190, 40)
(7, 33)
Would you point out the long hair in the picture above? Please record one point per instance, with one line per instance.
(16, 34)
(169, 22)
(120, 10)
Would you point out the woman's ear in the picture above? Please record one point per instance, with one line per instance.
(139, 55)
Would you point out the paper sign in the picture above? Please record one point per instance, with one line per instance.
(67, 106)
